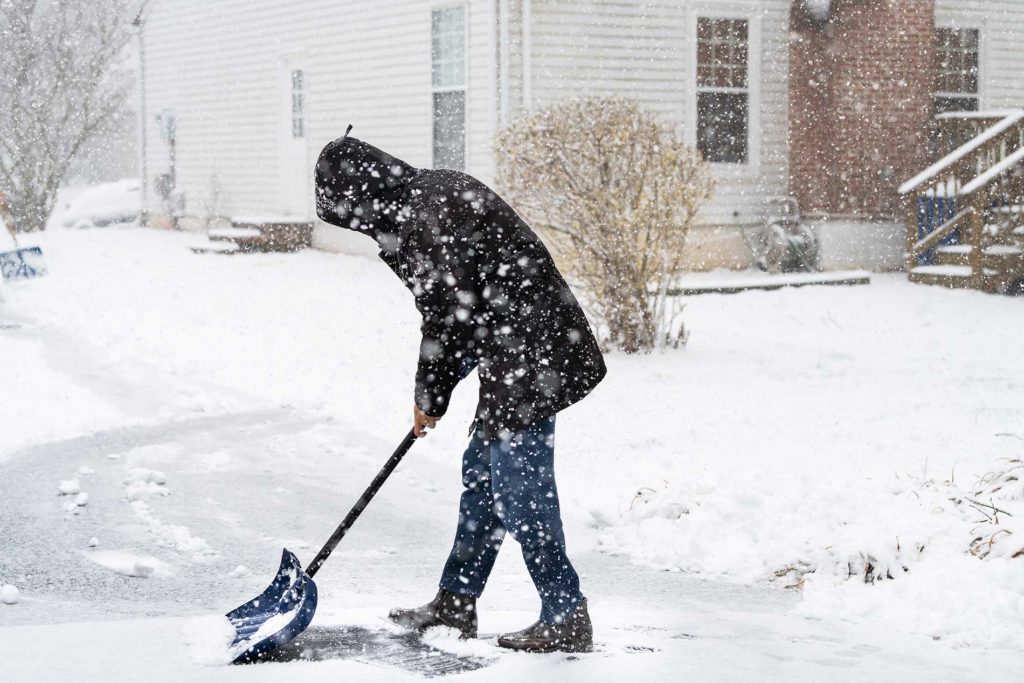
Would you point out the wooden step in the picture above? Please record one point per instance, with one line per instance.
(951, 277)
(218, 246)
(1004, 251)
(233, 234)
(953, 255)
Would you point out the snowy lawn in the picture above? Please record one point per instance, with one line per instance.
(170, 421)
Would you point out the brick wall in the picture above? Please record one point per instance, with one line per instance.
(860, 99)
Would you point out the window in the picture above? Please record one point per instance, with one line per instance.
(298, 105)
(448, 78)
(723, 97)
(956, 69)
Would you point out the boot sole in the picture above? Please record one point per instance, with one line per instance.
(463, 635)
(547, 649)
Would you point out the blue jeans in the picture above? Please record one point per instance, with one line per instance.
(510, 486)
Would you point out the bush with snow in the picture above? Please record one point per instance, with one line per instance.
(615, 191)
(860, 549)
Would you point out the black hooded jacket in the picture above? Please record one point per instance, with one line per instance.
(486, 286)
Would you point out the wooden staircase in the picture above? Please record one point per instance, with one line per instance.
(965, 212)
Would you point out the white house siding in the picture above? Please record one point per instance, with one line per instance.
(646, 49)
(1001, 31)
(220, 67)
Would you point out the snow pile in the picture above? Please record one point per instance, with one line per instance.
(143, 483)
(208, 640)
(239, 572)
(877, 550)
(104, 204)
(174, 536)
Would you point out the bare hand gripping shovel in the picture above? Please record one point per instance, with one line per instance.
(286, 607)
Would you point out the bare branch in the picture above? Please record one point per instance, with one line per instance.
(615, 191)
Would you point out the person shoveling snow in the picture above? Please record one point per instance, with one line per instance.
(491, 298)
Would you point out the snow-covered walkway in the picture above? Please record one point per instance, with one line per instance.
(214, 409)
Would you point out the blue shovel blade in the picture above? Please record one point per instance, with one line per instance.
(277, 616)
(22, 263)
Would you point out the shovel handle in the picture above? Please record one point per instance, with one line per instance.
(361, 504)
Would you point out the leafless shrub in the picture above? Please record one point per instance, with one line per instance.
(60, 86)
(615, 191)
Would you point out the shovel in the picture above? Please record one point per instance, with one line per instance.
(286, 607)
(22, 262)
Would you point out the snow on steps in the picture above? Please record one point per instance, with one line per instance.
(215, 246)
(950, 276)
(257, 234)
(233, 233)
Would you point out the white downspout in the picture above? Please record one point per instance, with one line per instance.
(503, 58)
(527, 55)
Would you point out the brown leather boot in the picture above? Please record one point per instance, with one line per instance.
(446, 609)
(575, 634)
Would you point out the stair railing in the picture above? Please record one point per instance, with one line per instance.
(962, 221)
(937, 192)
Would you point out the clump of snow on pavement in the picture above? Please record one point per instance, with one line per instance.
(143, 483)
(130, 563)
(69, 487)
(9, 594)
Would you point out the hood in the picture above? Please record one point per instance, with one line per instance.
(362, 188)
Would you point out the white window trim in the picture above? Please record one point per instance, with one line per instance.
(435, 89)
(303, 117)
(288, 145)
(981, 25)
(726, 10)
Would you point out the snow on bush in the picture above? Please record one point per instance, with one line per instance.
(877, 550)
(1001, 534)
(615, 191)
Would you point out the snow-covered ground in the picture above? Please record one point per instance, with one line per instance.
(170, 421)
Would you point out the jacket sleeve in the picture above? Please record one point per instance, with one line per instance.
(444, 279)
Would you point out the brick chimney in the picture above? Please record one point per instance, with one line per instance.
(860, 102)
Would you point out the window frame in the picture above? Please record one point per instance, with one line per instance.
(978, 95)
(298, 115)
(464, 88)
(725, 10)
